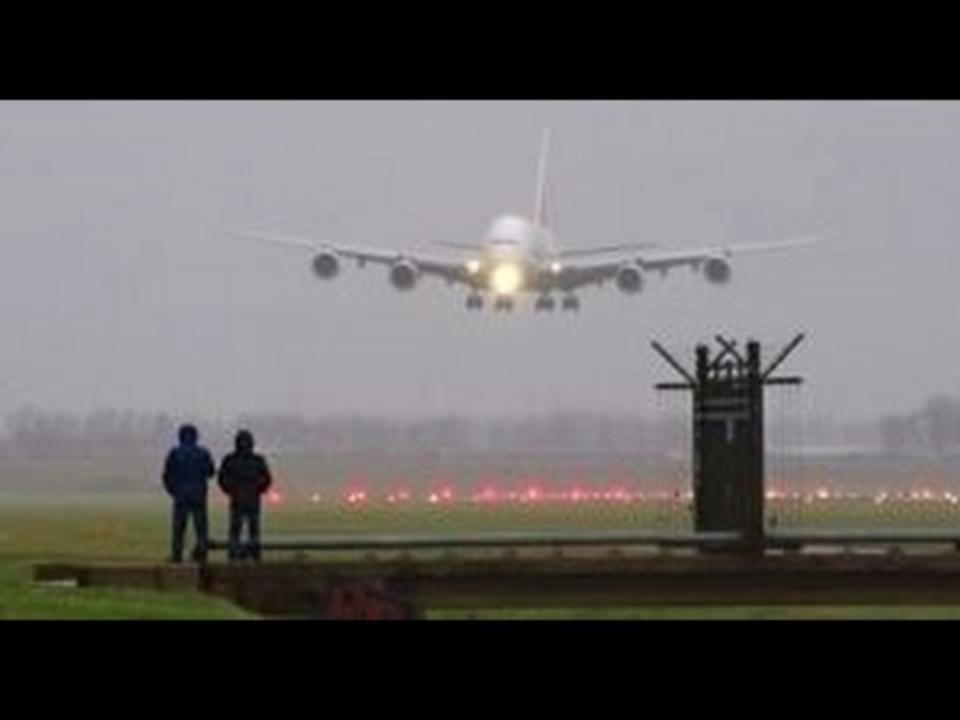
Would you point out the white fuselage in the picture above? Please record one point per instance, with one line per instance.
(514, 251)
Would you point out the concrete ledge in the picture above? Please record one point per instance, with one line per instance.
(300, 588)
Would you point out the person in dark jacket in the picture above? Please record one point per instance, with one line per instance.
(244, 477)
(186, 472)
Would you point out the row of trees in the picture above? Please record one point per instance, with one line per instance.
(934, 429)
(31, 432)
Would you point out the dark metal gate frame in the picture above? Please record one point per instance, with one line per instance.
(728, 434)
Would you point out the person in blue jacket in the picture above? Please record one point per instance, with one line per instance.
(186, 472)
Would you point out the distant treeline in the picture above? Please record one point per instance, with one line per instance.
(934, 429)
(33, 433)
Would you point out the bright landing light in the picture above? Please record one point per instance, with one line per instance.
(506, 279)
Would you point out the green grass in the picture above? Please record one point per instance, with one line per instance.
(22, 600)
(90, 527)
(118, 529)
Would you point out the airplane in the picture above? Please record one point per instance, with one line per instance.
(519, 255)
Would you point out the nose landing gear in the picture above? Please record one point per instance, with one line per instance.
(571, 303)
(503, 304)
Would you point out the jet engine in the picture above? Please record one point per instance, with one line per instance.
(629, 279)
(326, 265)
(717, 271)
(404, 275)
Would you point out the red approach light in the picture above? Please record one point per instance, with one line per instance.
(400, 491)
(356, 497)
(274, 497)
(398, 496)
(487, 495)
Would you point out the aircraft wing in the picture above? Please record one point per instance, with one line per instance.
(576, 275)
(450, 270)
(668, 259)
(587, 252)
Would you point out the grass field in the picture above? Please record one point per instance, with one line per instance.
(135, 528)
(89, 510)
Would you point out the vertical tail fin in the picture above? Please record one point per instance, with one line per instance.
(540, 207)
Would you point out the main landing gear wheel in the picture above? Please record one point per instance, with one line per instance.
(571, 303)
(474, 302)
(545, 304)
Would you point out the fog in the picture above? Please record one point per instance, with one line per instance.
(119, 287)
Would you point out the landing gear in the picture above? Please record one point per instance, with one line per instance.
(545, 303)
(507, 304)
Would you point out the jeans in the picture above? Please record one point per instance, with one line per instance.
(183, 510)
(240, 515)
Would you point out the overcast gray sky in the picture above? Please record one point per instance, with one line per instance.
(119, 287)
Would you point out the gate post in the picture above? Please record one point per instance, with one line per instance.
(728, 435)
